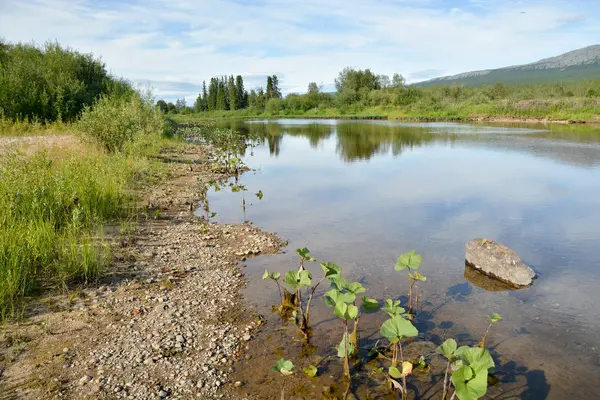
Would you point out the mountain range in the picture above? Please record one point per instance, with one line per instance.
(578, 64)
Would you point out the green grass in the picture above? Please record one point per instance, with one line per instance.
(55, 202)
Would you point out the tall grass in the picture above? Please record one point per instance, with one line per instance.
(54, 203)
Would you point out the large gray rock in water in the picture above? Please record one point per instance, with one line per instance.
(498, 261)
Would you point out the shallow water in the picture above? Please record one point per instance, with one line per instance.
(360, 193)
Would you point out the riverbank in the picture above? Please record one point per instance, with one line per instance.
(167, 320)
(392, 117)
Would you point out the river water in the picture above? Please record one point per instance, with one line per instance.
(359, 193)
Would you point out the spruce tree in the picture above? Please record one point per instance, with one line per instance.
(269, 93)
(241, 93)
(204, 97)
(221, 96)
(233, 96)
(276, 91)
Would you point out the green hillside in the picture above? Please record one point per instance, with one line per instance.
(581, 64)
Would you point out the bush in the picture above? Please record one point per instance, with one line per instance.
(120, 121)
(274, 106)
(49, 83)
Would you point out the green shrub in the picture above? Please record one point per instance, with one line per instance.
(48, 83)
(119, 122)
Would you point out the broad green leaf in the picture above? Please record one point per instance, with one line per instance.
(334, 296)
(477, 358)
(286, 367)
(305, 278)
(469, 386)
(310, 371)
(291, 279)
(342, 347)
(304, 253)
(447, 348)
(330, 269)
(410, 260)
(397, 328)
(369, 305)
(338, 282)
(355, 288)
(352, 311)
(392, 308)
(495, 317)
(296, 280)
(340, 309)
(271, 275)
(395, 373)
(259, 194)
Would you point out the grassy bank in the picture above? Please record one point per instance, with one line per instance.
(55, 202)
(57, 196)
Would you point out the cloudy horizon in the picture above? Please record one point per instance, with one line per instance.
(173, 46)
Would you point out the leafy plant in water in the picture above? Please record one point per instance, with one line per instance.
(469, 366)
(411, 261)
(395, 329)
(274, 276)
(286, 367)
(259, 194)
(495, 317)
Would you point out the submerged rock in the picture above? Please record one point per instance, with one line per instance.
(499, 262)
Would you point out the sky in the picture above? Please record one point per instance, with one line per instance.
(173, 45)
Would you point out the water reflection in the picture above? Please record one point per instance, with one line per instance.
(359, 193)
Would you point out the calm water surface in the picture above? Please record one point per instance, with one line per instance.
(360, 193)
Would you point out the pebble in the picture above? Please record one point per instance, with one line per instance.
(151, 327)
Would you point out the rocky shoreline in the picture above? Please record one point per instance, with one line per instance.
(169, 320)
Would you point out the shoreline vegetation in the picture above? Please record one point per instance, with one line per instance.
(58, 196)
(362, 94)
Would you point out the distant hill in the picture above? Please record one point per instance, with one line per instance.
(575, 65)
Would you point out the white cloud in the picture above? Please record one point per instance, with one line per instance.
(188, 41)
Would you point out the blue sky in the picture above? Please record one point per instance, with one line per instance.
(174, 45)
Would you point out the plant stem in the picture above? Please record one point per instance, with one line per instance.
(353, 335)
(346, 363)
(404, 392)
(312, 293)
(453, 395)
(446, 380)
(394, 354)
(410, 286)
(299, 297)
(482, 343)
(417, 299)
(279, 288)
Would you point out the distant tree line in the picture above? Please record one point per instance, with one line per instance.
(357, 90)
(51, 82)
(226, 93)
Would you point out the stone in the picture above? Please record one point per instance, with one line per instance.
(499, 262)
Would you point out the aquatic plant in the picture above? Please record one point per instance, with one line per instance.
(395, 329)
(469, 366)
(466, 367)
(493, 319)
(411, 261)
(285, 367)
